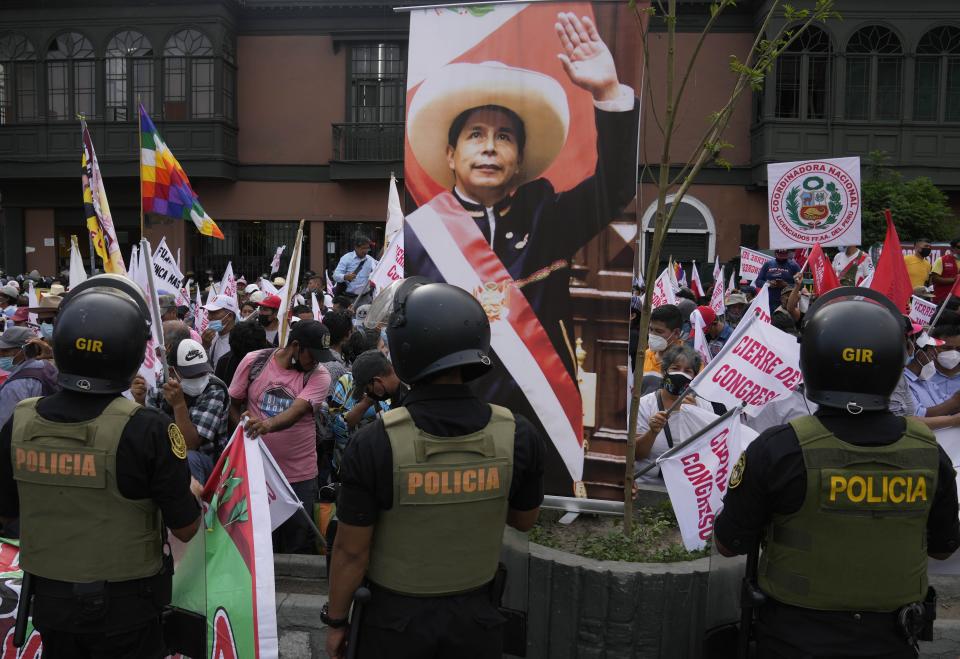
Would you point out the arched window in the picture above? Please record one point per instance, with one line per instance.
(692, 235)
(803, 75)
(874, 74)
(937, 89)
(18, 79)
(188, 76)
(71, 77)
(129, 75)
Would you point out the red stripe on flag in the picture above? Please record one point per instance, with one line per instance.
(522, 318)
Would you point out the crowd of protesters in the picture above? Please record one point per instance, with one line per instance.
(306, 398)
(929, 387)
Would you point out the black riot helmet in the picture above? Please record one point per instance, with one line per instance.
(101, 334)
(852, 349)
(435, 327)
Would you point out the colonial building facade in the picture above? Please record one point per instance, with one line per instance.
(287, 109)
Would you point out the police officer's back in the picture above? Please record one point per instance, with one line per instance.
(94, 478)
(427, 489)
(849, 502)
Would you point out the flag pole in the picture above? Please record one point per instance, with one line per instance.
(140, 160)
(293, 271)
(695, 436)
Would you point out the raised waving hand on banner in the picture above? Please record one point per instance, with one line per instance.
(586, 59)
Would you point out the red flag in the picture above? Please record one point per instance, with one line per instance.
(824, 278)
(890, 277)
(800, 256)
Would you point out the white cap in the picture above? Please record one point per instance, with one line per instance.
(257, 297)
(925, 340)
(251, 288)
(279, 281)
(221, 302)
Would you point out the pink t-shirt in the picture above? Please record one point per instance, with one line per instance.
(273, 392)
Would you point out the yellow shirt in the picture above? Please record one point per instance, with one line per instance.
(919, 269)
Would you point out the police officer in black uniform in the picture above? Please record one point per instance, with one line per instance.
(847, 503)
(427, 490)
(94, 478)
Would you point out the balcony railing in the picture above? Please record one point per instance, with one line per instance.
(368, 142)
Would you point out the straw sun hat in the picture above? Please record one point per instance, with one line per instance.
(537, 99)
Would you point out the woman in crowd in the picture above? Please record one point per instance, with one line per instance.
(656, 433)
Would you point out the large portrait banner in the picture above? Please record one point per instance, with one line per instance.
(521, 147)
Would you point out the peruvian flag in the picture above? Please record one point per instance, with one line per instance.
(700, 336)
(695, 284)
(824, 278)
(890, 276)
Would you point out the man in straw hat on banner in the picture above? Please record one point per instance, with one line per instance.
(487, 132)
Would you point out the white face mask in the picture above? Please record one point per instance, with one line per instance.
(193, 387)
(927, 371)
(949, 359)
(656, 342)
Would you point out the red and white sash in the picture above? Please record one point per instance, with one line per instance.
(464, 258)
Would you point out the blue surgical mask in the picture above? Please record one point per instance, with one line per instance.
(6, 363)
(46, 330)
(215, 325)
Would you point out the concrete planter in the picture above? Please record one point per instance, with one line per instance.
(580, 608)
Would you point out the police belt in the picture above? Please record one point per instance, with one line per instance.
(481, 590)
(144, 587)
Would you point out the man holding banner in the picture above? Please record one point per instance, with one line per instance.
(482, 135)
(850, 501)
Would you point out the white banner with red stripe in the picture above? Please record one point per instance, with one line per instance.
(465, 259)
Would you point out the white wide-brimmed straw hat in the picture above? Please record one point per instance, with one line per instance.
(536, 98)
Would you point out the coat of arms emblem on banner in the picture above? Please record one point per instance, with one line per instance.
(814, 202)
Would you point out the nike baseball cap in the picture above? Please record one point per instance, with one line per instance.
(192, 359)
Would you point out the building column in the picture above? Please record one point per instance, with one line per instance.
(318, 246)
(40, 241)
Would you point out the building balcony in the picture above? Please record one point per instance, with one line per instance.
(205, 148)
(914, 148)
(367, 150)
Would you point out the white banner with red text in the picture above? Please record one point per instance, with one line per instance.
(757, 365)
(697, 475)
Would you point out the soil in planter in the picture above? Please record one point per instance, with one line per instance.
(655, 537)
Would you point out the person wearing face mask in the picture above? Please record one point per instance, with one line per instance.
(29, 376)
(664, 331)
(919, 371)
(279, 390)
(943, 275)
(199, 404)
(656, 433)
(46, 315)
(918, 264)
(269, 318)
(222, 313)
(920, 367)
